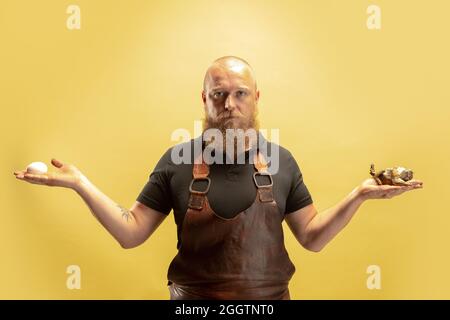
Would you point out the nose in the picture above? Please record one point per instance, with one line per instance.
(230, 104)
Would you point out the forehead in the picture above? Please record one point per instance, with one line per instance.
(222, 76)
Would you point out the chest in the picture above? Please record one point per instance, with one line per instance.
(232, 189)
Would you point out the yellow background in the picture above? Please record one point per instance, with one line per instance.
(107, 97)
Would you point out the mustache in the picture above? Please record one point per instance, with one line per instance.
(225, 115)
(221, 121)
(222, 118)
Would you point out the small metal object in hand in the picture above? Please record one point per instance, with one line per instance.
(396, 176)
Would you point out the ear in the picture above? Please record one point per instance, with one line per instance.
(203, 96)
(257, 96)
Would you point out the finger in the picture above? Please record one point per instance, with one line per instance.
(415, 183)
(36, 178)
(57, 163)
(20, 176)
(398, 192)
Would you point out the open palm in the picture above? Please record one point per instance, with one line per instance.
(66, 175)
(371, 190)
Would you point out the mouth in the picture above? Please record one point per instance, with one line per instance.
(227, 118)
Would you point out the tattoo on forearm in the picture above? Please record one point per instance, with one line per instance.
(126, 214)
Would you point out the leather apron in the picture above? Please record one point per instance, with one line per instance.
(234, 259)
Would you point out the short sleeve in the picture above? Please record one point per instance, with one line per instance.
(299, 196)
(156, 193)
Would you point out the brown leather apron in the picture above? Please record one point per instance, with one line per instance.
(239, 258)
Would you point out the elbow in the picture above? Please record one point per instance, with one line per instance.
(128, 244)
(313, 245)
(132, 241)
(313, 248)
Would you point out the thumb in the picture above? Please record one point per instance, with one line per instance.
(57, 163)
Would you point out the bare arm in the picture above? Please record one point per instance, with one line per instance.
(314, 231)
(130, 227)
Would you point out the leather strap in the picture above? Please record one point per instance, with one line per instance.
(265, 193)
(259, 162)
(200, 171)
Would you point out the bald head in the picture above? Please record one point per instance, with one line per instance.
(226, 67)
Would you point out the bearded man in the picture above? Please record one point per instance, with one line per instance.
(228, 213)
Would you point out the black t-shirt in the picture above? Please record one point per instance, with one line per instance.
(232, 187)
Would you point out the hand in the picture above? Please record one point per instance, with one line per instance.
(369, 189)
(67, 176)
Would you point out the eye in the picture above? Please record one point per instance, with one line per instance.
(218, 94)
(241, 93)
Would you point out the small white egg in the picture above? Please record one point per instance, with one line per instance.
(37, 168)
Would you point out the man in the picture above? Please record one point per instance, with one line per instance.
(229, 215)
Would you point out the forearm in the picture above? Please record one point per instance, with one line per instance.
(327, 224)
(119, 222)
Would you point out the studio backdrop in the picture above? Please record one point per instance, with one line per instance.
(104, 84)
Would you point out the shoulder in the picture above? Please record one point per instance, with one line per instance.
(174, 163)
(270, 148)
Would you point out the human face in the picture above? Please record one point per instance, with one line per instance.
(230, 97)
